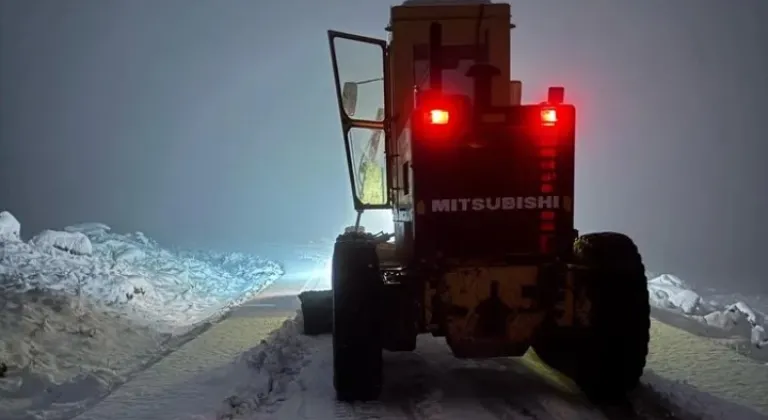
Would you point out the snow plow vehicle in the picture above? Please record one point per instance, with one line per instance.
(481, 189)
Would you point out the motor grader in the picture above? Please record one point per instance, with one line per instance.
(481, 189)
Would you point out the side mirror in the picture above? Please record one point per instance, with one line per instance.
(349, 98)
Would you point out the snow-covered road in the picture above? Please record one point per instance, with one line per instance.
(428, 384)
(289, 376)
(431, 384)
(291, 379)
(192, 382)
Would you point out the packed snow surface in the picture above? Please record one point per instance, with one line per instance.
(291, 378)
(685, 378)
(288, 376)
(83, 308)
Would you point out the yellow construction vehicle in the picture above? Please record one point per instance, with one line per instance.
(481, 188)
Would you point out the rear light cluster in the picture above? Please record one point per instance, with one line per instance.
(547, 155)
(445, 117)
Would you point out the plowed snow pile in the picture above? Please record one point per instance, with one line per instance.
(735, 320)
(83, 308)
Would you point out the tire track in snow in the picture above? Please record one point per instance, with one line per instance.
(430, 384)
(189, 380)
(505, 388)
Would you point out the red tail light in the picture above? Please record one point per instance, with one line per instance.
(439, 117)
(548, 116)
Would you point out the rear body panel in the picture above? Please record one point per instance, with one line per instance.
(495, 191)
(487, 311)
(493, 309)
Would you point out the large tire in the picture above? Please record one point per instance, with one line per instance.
(357, 348)
(606, 358)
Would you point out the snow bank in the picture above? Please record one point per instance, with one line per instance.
(668, 291)
(73, 242)
(10, 229)
(133, 275)
(727, 315)
(275, 363)
(62, 352)
(84, 308)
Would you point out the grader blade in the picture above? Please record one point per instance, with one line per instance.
(317, 311)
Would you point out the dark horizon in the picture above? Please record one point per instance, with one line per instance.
(214, 124)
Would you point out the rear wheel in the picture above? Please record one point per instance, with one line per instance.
(357, 284)
(606, 357)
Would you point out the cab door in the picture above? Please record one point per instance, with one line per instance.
(361, 75)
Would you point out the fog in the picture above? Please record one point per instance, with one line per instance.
(213, 123)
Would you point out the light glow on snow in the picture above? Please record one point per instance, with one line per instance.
(290, 371)
(324, 275)
(84, 308)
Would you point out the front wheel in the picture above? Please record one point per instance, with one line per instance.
(357, 284)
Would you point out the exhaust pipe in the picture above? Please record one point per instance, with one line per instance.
(436, 56)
